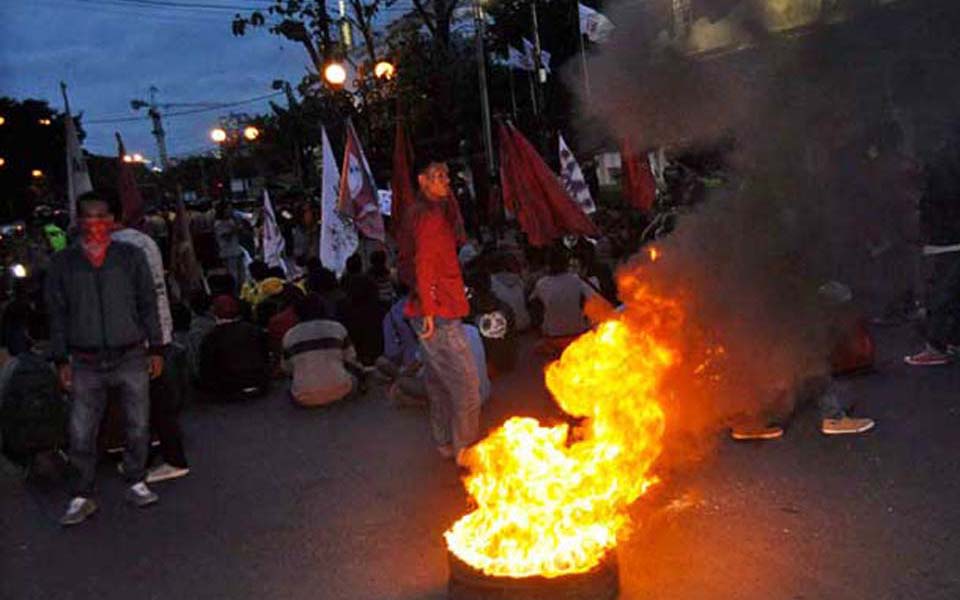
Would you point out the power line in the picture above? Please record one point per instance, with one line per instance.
(163, 4)
(211, 107)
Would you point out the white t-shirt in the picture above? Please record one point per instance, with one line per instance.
(562, 296)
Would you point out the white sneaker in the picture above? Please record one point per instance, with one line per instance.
(165, 471)
(78, 511)
(140, 495)
(846, 425)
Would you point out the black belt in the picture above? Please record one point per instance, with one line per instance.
(328, 343)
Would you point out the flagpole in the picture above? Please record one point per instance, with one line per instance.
(583, 57)
(71, 204)
(513, 95)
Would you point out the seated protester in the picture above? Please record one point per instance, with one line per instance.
(250, 291)
(323, 282)
(319, 355)
(476, 340)
(382, 278)
(284, 318)
(562, 295)
(168, 395)
(267, 304)
(220, 281)
(234, 361)
(495, 321)
(202, 322)
(400, 343)
(508, 285)
(354, 271)
(33, 412)
(362, 315)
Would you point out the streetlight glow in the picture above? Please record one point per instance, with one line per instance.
(44, 121)
(335, 74)
(127, 158)
(36, 173)
(137, 157)
(2, 120)
(3, 161)
(218, 135)
(251, 133)
(384, 70)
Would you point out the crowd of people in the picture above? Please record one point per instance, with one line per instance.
(108, 340)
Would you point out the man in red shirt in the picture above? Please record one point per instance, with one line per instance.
(436, 307)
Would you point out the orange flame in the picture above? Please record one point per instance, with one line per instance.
(552, 500)
(654, 254)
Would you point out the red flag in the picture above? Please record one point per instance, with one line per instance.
(358, 194)
(534, 194)
(130, 199)
(403, 198)
(639, 187)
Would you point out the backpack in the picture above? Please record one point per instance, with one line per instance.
(34, 415)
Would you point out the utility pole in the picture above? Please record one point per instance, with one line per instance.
(481, 27)
(158, 133)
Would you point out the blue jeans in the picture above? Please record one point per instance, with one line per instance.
(91, 379)
(453, 386)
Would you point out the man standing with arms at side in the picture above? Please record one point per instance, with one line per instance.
(103, 315)
(437, 306)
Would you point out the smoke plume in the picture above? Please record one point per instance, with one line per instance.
(823, 101)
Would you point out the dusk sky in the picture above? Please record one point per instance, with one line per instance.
(110, 52)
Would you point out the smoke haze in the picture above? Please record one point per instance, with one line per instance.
(821, 124)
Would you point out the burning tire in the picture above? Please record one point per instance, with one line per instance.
(600, 583)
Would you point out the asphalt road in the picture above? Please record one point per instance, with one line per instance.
(351, 502)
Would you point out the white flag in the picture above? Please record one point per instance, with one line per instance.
(529, 50)
(78, 179)
(573, 179)
(274, 246)
(338, 236)
(594, 25)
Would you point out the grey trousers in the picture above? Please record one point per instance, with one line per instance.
(452, 384)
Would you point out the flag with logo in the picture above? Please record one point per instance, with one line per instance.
(131, 202)
(594, 25)
(358, 193)
(573, 180)
(338, 236)
(274, 246)
(78, 178)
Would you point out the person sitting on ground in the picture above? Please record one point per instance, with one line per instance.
(382, 278)
(234, 362)
(33, 412)
(323, 283)
(283, 319)
(362, 314)
(400, 344)
(168, 395)
(563, 295)
(320, 357)
(354, 271)
(202, 322)
(269, 303)
(507, 284)
(495, 321)
(250, 292)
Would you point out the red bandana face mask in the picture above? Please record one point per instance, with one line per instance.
(96, 239)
